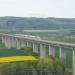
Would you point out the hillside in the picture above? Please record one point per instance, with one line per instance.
(36, 23)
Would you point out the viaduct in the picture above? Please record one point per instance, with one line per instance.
(20, 42)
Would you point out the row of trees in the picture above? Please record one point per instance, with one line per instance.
(46, 66)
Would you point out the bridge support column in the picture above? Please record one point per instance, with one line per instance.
(73, 61)
(9, 42)
(29, 44)
(6, 42)
(35, 48)
(3, 39)
(22, 43)
(13, 42)
(18, 44)
(42, 51)
(51, 51)
(63, 53)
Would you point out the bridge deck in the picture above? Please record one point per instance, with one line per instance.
(55, 43)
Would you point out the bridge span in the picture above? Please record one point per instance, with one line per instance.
(39, 46)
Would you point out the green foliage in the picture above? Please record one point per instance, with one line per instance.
(14, 23)
(36, 54)
(27, 49)
(30, 50)
(46, 66)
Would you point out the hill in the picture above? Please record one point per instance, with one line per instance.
(36, 23)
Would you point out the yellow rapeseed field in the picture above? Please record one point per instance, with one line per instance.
(41, 30)
(16, 58)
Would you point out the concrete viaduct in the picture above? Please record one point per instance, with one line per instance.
(20, 42)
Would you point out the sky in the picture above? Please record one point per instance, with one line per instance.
(38, 8)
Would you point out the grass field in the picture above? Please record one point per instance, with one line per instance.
(12, 52)
(45, 30)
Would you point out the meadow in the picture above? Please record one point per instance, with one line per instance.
(5, 52)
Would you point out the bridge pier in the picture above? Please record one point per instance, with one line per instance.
(6, 41)
(51, 51)
(9, 45)
(29, 44)
(18, 44)
(13, 42)
(3, 39)
(35, 47)
(23, 44)
(63, 53)
(42, 51)
(73, 61)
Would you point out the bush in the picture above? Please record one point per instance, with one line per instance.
(27, 49)
(35, 54)
(22, 48)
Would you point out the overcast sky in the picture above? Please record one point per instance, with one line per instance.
(38, 8)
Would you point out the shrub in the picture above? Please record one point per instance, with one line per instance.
(27, 49)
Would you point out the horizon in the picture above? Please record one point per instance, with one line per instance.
(39, 17)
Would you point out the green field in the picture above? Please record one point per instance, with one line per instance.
(48, 34)
(12, 52)
(56, 31)
(41, 30)
(47, 30)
